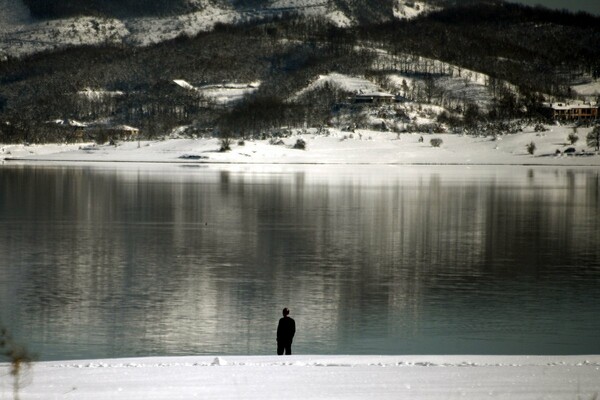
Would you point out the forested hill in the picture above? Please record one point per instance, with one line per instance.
(534, 48)
(518, 55)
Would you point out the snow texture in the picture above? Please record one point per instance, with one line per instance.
(21, 36)
(334, 146)
(313, 377)
(406, 9)
(339, 81)
(590, 90)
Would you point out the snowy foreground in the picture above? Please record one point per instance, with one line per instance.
(337, 147)
(314, 377)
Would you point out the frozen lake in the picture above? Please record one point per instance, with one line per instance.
(143, 260)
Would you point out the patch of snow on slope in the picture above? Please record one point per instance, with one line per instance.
(222, 93)
(590, 89)
(452, 87)
(342, 82)
(314, 8)
(455, 81)
(228, 93)
(147, 31)
(299, 4)
(27, 39)
(19, 37)
(398, 81)
(304, 7)
(339, 19)
(55, 34)
(406, 9)
(96, 95)
(184, 84)
(423, 65)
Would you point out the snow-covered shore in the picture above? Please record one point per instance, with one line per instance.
(314, 377)
(337, 147)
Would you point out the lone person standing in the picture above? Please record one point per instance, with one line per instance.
(285, 333)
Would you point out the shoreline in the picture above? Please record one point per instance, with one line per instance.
(210, 163)
(338, 148)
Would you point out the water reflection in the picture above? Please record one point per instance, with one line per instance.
(106, 262)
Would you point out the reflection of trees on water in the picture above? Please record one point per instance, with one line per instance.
(131, 261)
(527, 224)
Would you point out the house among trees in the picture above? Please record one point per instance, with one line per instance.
(124, 132)
(373, 98)
(70, 129)
(108, 132)
(95, 103)
(571, 112)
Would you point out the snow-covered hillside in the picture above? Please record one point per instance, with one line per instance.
(221, 94)
(340, 82)
(29, 38)
(456, 83)
(21, 36)
(319, 8)
(590, 91)
(50, 35)
(147, 31)
(407, 9)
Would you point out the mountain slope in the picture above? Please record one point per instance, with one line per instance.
(111, 8)
(62, 23)
(358, 9)
(490, 61)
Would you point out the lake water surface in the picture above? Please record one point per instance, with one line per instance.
(139, 260)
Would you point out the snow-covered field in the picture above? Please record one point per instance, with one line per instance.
(334, 147)
(314, 377)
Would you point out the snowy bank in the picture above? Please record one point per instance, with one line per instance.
(334, 147)
(314, 377)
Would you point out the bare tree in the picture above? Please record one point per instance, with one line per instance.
(18, 357)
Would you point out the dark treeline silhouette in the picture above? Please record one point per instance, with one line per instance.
(115, 8)
(474, 12)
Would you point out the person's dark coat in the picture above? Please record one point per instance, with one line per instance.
(286, 330)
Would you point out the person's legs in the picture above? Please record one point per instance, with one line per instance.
(280, 348)
(288, 349)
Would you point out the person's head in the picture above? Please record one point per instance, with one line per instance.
(286, 312)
